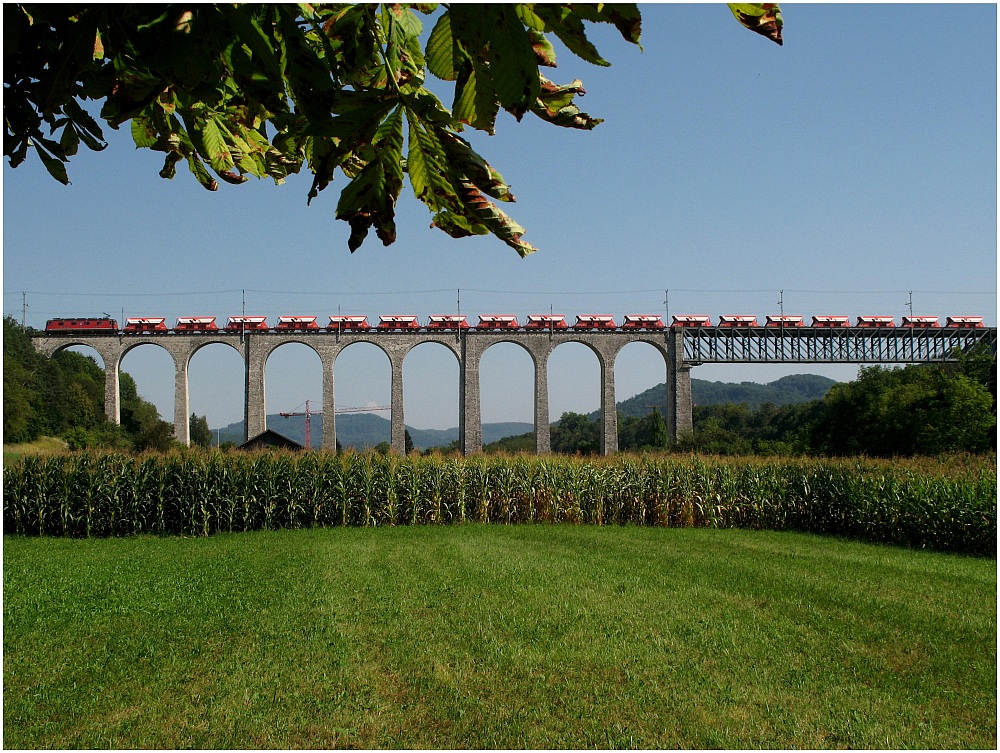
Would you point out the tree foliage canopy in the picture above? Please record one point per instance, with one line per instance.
(235, 91)
(63, 396)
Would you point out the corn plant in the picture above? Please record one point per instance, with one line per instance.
(925, 503)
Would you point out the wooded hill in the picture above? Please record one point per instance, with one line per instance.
(63, 396)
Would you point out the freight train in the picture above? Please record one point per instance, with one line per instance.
(487, 323)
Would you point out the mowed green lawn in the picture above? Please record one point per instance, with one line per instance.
(489, 636)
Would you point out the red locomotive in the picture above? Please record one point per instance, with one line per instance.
(98, 326)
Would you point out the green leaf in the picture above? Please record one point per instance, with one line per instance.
(426, 164)
(464, 164)
(143, 133)
(169, 169)
(513, 65)
(569, 29)
(495, 38)
(485, 213)
(476, 101)
(199, 171)
(370, 198)
(443, 57)
(70, 141)
(545, 53)
(403, 49)
(555, 105)
(253, 36)
(54, 166)
(763, 18)
(218, 154)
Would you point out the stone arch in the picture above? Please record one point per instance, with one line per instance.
(145, 360)
(425, 372)
(640, 365)
(209, 340)
(360, 378)
(534, 384)
(289, 340)
(294, 370)
(575, 368)
(219, 375)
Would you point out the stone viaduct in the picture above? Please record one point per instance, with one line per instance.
(468, 347)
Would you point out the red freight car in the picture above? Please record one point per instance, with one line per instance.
(546, 321)
(737, 320)
(147, 324)
(642, 321)
(296, 324)
(348, 324)
(965, 322)
(831, 321)
(497, 321)
(921, 322)
(876, 321)
(784, 321)
(594, 321)
(393, 322)
(247, 324)
(196, 324)
(691, 321)
(447, 322)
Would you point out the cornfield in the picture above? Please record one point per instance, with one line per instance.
(947, 505)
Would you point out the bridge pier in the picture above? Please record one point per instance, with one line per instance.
(470, 415)
(543, 441)
(609, 407)
(680, 420)
(397, 427)
(255, 412)
(182, 415)
(329, 358)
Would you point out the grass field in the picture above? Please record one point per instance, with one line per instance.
(41, 446)
(490, 636)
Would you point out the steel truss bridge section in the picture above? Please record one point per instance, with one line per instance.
(832, 345)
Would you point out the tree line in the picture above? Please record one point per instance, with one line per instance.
(924, 409)
(63, 396)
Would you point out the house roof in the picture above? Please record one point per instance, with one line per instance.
(270, 438)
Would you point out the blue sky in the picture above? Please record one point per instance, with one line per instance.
(847, 168)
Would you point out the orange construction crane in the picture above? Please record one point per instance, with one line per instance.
(309, 413)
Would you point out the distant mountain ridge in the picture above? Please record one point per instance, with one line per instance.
(788, 390)
(362, 430)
